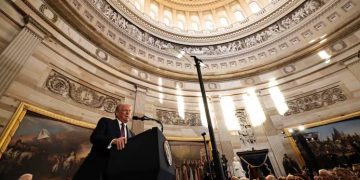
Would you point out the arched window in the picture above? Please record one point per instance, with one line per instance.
(153, 10)
(254, 7)
(223, 22)
(181, 21)
(239, 15)
(209, 23)
(181, 25)
(139, 4)
(167, 17)
(195, 23)
(195, 26)
(166, 20)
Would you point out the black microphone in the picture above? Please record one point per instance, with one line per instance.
(141, 118)
(137, 118)
(148, 118)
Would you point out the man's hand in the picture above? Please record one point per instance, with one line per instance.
(120, 143)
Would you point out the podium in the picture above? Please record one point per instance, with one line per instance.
(144, 157)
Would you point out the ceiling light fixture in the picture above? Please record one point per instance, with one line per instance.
(311, 41)
(301, 127)
(291, 130)
(322, 41)
(327, 61)
(324, 55)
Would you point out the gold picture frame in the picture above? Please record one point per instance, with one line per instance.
(313, 125)
(189, 153)
(37, 136)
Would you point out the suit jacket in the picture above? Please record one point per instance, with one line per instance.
(95, 164)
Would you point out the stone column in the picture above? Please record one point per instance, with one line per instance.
(354, 66)
(224, 140)
(18, 52)
(139, 109)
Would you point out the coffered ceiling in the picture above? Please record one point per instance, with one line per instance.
(278, 34)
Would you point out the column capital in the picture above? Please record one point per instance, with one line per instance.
(215, 98)
(36, 28)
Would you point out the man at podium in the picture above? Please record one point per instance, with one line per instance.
(108, 133)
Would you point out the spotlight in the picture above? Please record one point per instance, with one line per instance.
(291, 130)
(301, 128)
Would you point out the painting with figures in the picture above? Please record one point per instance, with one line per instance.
(47, 148)
(189, 159)
(335, 144)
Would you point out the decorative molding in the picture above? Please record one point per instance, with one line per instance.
(223, 34)
(101, 54)
(48, 13)
(316, 100)
(246, 132)
(289, 68)
(173, 118)
(270, 32)
(225, 57)
(70, 89)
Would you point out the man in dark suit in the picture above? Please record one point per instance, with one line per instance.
(108, 133)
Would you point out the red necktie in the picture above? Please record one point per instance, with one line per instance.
(122, 130)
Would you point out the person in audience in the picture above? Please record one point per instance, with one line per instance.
(26, 176)
(108, 133)
(290, 166)
(270, 177)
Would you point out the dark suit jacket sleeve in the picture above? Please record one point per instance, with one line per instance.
(100, 137)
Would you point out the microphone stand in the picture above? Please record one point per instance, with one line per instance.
(152, 119)
(207, 156)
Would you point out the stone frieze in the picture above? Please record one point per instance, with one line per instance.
(316, 100)
(173, 118)
(76, 92)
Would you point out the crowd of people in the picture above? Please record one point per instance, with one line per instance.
(323, 174)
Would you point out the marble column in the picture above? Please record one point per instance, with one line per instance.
(18, 52)
(224, 140)
(139, 108)
(354, 67)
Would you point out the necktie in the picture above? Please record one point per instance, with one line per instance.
(122, 130)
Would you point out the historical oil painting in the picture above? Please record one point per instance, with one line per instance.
(335, 144)
(43, 146)
(189, 158)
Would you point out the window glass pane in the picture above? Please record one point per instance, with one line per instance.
(223, 22)
(167, 21)
(239, 16)
(181, 25)
(137, 5)
(152, 14)
(254, 7)
(209, 25)
(153, 11)
(195, 26)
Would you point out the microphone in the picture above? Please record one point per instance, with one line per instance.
(136, 118)
(148, 118)
(141, 118)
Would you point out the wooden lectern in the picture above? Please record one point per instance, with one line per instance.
(144, 158)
